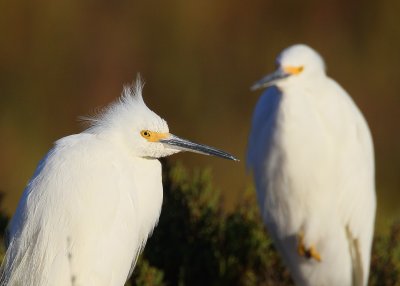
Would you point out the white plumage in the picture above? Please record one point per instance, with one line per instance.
(94, 200)
(311, 153)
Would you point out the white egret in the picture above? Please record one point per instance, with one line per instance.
(94, 199)
(311, 153)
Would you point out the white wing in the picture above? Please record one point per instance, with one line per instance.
(80, 217)
(356, 191)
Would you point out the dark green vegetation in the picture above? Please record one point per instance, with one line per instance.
(197, 243)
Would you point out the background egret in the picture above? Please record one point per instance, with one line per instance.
(312, 158)
(94, 199)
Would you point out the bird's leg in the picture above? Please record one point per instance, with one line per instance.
(306, 252)
(301, 249)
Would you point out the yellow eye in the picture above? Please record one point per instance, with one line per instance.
(145, 133)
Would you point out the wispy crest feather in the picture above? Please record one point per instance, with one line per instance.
(129, 102)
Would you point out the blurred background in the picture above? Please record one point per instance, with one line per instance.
(66, 58)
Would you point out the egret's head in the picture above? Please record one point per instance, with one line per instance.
(131, 124)
(297, 63)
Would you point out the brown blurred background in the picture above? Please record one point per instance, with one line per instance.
(65, 58)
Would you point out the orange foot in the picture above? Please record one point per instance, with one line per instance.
(307, 253)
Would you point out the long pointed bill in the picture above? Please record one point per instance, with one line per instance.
(269, 80)
(185, 145)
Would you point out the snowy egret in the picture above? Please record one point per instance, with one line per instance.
(311, 153)
(94, 200)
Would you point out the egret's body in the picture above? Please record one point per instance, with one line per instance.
(93, 200)
(312, 158)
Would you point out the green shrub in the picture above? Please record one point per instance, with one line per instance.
(147, 275)
(385, 259)
(196, 243)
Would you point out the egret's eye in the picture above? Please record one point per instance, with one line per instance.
(145, 133)
(153, 136)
